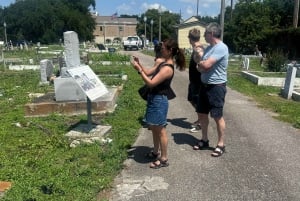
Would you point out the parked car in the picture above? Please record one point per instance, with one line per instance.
(132, 42)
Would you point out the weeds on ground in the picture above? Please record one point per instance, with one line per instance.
(35, 155)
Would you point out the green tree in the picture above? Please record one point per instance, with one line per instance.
(168, 21)
(281, 11)
(249, 24)
(46, 20)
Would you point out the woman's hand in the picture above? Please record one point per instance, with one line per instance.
(135, 63)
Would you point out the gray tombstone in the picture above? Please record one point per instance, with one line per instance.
(289, 81)
(72, 49)
(46, 68)
(246, 63)
(66, 88)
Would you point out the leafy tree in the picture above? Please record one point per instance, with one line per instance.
(168, 21)
(46, 20)
(281, 11)
(250, 22)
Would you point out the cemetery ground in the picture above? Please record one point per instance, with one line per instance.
(35, 155)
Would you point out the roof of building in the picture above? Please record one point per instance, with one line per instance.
(192, 21)
(117, 20)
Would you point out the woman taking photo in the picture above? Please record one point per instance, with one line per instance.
(158, 79)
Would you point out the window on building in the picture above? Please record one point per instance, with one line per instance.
(101, 28)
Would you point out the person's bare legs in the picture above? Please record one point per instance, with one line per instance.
(161, 133)
(156, 142)
(221, 130)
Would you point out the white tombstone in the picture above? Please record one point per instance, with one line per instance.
(46, 69)
(66, 89)
(289, 81)
(71, 49)
(246, 63)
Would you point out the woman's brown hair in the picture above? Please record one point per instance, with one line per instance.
(177, 53)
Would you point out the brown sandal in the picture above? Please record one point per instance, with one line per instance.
(162, 163)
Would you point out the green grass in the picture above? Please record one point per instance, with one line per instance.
(36, 156)
(267, 97)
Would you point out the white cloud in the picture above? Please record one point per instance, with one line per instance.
(124, 8)
(190, 10)
(146, 6)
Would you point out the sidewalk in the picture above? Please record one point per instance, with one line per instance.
(261, 162)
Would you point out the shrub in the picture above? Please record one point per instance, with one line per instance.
(276, 60)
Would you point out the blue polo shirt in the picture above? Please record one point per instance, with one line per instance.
(218, 73)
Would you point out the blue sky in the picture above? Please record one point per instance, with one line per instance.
(187, 8)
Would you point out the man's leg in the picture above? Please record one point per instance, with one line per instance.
(221, 130)
(204, 121)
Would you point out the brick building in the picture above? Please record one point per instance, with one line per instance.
(109, 28)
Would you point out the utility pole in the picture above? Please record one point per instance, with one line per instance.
(222, 17)
(197, 7)
(159, 28)
(231, 6)
(296, 13)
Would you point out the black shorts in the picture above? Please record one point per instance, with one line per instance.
(212, 99)
(193, 94)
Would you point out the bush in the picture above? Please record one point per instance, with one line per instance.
(276, 60)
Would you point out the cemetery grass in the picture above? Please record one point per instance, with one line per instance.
(266, 97)
(35, 155)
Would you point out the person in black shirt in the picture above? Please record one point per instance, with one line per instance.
(194, 74)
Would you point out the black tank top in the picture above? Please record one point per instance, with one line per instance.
(164, 88)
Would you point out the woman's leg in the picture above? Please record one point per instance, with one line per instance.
(156, 141)
(160, 133)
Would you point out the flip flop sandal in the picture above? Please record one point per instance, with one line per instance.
(162, 163)
(219, 150)
(151, 155)
(201, 145)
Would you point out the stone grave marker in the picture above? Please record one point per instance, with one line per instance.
(66, 89)
(289, 81)
(46, 69)
(246, 63)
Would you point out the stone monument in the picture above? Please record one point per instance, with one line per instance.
(66, 89)
(46, 69)
(289, 81)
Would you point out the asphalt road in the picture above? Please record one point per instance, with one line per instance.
(262, 159)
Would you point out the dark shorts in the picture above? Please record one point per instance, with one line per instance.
(193, 94)
(212, 99)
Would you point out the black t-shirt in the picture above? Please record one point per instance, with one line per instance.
(194, 74)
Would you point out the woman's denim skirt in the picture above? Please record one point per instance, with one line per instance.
(157, 110)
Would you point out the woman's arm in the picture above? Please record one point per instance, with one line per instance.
(165, 72)
(139, 67)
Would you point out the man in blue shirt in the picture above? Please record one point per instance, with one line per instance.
(213, 68)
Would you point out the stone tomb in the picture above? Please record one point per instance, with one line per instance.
(68, 98)
(66, 89)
